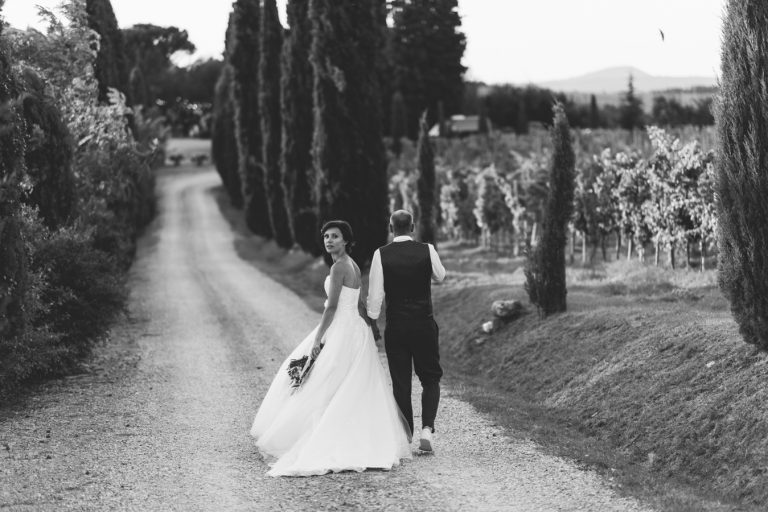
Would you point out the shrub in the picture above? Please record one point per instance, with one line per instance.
(84, 288)
(49, 154)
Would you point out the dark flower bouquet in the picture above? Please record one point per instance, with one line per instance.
(297, 372)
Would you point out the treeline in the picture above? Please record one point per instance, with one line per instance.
(76, 187)
(137, 62)
(514, 108)
(297, 140)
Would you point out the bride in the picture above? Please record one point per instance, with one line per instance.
(344, 416)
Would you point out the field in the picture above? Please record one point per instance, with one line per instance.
(645, 378)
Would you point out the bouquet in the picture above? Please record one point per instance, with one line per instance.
(297, 371)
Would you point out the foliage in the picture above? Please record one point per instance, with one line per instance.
(670, 112)
(426, 185)
(223, 143)
(297, 120)
(77, 164)
(347, 148)
(150, 47)
(194, 83)
(491, 211)
(515, 107)
(398, 119)
(271, 126)
(594, 112)
(427, 49)
(83, 287)
(545, 268)
(631, 108)
(244, 54)
(49, 154)
(742, 177)
(457, 206)
(110, 68)
(13, 182)
(137, 87)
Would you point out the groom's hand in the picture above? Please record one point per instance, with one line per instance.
(375, 329)
(363, 312)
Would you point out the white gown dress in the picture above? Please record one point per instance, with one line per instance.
(343, 417)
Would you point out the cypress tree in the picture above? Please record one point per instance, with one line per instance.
(742, 175)
(348, 151)
(427, 48)
(426, 185)
(297, 119)
(244, 59)
(631, 109)
(111, 67)
(269, 107)
(385, 73)
(594, 112)
(223, 142)
(399, 120)
(545, 268)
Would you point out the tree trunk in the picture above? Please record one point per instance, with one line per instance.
(618, 245)
(603, 247)
(584, 248)
(656, 256)
(572, 245)
(688, 253)
(629, 248)
(672, 256)
(703, 253)
(534, 242)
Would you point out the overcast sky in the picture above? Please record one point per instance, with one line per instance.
(515, 41)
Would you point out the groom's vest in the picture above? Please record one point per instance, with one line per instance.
(407, 271)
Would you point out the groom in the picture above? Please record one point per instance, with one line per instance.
(402, 272)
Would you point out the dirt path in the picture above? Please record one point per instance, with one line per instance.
(160, 422)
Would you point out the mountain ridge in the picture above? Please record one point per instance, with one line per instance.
(615, 79)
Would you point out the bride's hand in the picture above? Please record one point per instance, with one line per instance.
(316, 350)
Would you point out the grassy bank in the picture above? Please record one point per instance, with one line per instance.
(645, 378)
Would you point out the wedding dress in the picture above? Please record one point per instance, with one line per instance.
(343, 417)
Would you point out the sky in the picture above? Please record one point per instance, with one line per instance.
(508, 41)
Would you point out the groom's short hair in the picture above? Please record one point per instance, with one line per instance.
(401, 221)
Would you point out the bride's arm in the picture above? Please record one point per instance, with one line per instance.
(337, 279)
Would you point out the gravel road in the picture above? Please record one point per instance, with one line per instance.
(160, 419)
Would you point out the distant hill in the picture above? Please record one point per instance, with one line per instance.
(614, 80)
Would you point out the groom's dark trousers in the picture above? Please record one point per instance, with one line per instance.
(411, 335)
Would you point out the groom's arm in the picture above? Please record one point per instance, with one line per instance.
(438, 271)
(375, 287)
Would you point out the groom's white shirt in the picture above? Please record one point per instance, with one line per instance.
(376, 277)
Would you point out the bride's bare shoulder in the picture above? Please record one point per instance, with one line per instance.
(348, 271)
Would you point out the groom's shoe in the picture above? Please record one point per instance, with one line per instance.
(425, 443)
